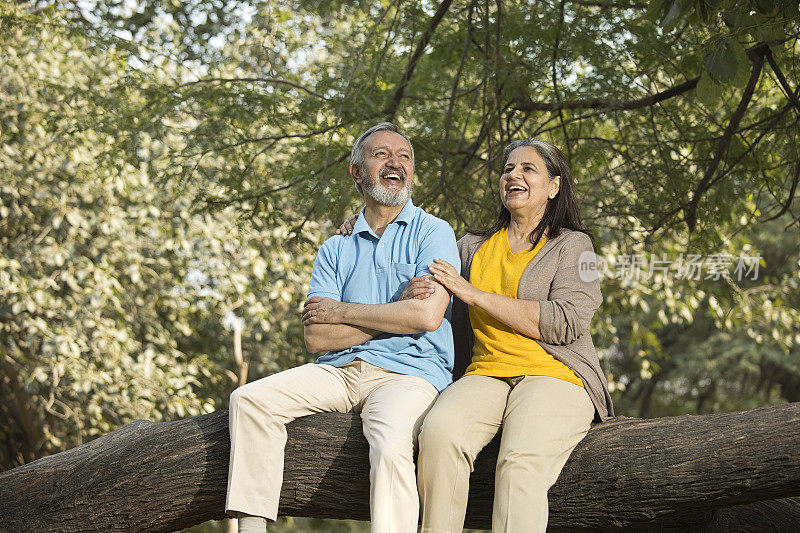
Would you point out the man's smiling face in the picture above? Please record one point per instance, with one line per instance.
(387, 174)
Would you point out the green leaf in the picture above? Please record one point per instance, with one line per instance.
(708, 91)
(743, 65)
(657, 9)
(672, 15)
(732, 18)
(721, 63)
(766, 6)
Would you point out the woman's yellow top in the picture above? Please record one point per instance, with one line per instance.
(499, 350)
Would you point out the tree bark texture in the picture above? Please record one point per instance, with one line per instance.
(716, 472)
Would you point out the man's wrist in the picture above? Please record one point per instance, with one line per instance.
(346, 313)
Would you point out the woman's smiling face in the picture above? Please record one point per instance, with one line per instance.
(526, 185)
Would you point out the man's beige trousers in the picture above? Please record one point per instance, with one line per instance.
(392, 407)
(542, 420)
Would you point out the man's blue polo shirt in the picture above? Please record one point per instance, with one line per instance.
(364, 268)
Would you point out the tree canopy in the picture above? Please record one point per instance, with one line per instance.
(116, 295)
(690, 98)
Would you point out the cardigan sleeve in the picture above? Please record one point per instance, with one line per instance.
(463, 252)
(574, 294)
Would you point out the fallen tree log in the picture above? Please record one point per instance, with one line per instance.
(706, 472)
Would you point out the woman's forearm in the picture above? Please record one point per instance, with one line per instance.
(522, 315)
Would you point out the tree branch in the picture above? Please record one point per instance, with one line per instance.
(269, 81)
(610, 4)
(627, 474)
(792, 191)
(350, 79)
(756, 54)
(554, 76)
(266, 138)
(259, 195)
(790, 94)
(449, 117)
(22, 408)
(606, 104)
(397, 97)
(768, 123)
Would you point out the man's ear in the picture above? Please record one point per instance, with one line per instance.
(355, 171)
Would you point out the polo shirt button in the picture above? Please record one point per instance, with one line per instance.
(381, 245)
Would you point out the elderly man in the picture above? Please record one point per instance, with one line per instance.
(385, 358)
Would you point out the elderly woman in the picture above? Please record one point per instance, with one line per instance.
(534, 376)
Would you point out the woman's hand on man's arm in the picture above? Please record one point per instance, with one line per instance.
(447, 275)
(522, 315)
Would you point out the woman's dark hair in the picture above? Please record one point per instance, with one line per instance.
(560, 212)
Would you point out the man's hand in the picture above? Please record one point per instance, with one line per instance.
(319, 310)
(419, 288)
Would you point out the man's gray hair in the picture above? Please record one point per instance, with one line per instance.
(357, 153)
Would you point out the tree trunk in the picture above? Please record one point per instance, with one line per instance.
(678, 473)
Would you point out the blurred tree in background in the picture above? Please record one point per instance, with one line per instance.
(168, 168)
(115, 294)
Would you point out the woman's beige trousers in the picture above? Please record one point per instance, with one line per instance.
(542, 419)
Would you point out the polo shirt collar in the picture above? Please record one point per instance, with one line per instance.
(406, 216)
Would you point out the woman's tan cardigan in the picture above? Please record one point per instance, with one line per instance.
(567, 306)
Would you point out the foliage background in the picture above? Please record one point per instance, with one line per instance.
(168, 168)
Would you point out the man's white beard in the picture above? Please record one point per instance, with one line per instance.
(383, 195)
